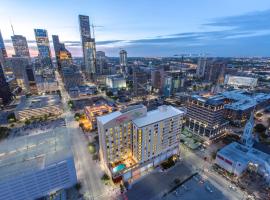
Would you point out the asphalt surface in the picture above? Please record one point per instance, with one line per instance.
(88, 171)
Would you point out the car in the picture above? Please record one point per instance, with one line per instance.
(208, 188)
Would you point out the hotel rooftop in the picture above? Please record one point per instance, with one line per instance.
(162, 113)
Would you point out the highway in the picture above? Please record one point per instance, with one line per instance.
(88, 171)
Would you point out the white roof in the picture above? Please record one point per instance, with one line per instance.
(162, 113)
(106, 118)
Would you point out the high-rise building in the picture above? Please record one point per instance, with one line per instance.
(88, 47)
(62, 55)
(201, 67)
(214, 71)
(132, 141)
(101, 63)
(3, 52)
(140, 81)
(5, 93)
(123, 61)
(18, 66)
(20, 46)
(43, 45)
(205, 117)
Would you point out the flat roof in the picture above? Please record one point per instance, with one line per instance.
(162, 113)
(34, 152)
(38, 102)
(106, 118)
(240, 153)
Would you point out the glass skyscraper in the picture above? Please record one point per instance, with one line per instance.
(62, 55)
(88, 47)
(5, 93)
(3, 52)
(43, 45)
(20, 46)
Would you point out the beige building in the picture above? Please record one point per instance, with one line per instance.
(134, 141)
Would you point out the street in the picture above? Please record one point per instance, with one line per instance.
(204, 168)
(88, 171)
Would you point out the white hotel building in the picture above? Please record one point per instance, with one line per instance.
(134, 141)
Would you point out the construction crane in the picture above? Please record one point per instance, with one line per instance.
(93, 29)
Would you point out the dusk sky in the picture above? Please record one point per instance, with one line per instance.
(147, 27)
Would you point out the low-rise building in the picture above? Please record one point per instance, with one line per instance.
(92, 112)
(236, 158)
(116, 81)
(33, 167)
(38, 106)
(134, 141)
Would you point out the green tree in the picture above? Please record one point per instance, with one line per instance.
(260, 128)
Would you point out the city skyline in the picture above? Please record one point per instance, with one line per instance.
(150, 29)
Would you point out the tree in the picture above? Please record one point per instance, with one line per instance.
(109, 93)
(105, 177)
(260, 128)
(27, 122)
(95, 157)
(11, 117)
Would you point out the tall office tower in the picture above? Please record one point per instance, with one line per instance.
(101, 63)
(123, 61)
(132, 140)
(62, 55)
(214, 71)
(20, 46)
(140, 81)
(5, 93)
(88, 47)
(18, 66)
(201, 67)
(43, 45)
(3, 52)
(205, 117)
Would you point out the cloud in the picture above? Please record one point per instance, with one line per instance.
(244, 35)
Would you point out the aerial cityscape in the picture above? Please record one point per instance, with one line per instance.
(134, 100)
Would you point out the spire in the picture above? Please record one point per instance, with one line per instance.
(247, 137)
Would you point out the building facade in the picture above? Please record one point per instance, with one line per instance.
(3, 52)
(116, 81)
(205, 117)
(20, 46)
(88, 47)
(62, 55)
(123, 61)
(43, 45)
(134, 141)
(5, 92)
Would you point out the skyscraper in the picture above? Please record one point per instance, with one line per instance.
(20, 46)
(88, 47)
(62, 55)
(5, 93)
(3, 52)
(123, 60)
(43, 47)
(201, 67)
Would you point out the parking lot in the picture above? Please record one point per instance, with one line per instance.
(196, 188)
(156, 184)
